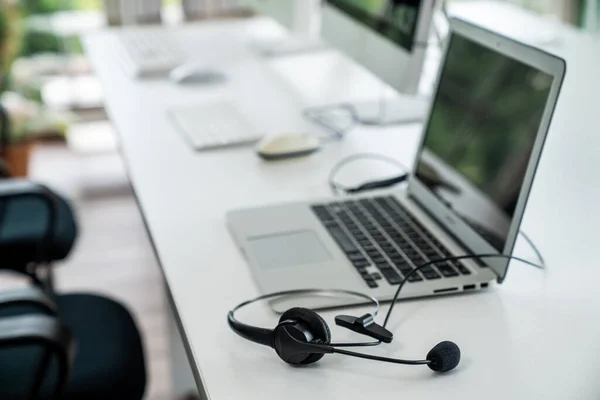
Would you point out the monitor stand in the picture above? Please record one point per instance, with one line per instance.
(339, 118)
(288, 46)
(402, 110)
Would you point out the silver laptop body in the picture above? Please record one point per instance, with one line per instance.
(467, 192)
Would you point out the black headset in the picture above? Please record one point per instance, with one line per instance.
(303, 337)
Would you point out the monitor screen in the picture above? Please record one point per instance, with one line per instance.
(394, 19)
(479, 139)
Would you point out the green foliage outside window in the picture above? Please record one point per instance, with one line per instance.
(50, 6)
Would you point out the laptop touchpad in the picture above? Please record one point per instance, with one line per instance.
(288, 249)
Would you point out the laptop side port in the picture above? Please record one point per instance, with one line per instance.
(469, 287)
(484, 285)
(452, 289)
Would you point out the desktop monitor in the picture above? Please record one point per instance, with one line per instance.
(388, 37)
(296, 15)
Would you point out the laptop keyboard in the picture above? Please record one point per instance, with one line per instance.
(380, 232)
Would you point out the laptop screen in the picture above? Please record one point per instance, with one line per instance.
(483, 124)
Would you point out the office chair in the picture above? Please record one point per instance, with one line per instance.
(73, 346)
(66, 346)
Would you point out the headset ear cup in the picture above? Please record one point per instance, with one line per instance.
(314, 322)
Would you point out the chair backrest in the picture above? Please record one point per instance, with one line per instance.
(132, 12)
(200, 9)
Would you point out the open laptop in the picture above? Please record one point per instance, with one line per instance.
(474, 168)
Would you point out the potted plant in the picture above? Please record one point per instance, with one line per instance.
(22, 121)
(14, 151)
(16, 145)
(10, 38)
(16, 157)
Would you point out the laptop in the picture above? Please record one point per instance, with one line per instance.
(466, 194)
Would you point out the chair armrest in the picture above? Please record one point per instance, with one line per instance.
(22, 189)
(29, 296)
(45, 331)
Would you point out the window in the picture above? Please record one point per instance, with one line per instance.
(582, 13)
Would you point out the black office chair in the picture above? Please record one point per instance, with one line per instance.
(73, 346)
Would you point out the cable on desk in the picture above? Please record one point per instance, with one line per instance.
(323, 115)
(338, 189)
(537, 252)
(318, 115)
(420, 267)
(453, 258)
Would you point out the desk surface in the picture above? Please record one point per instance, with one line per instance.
(535, 336)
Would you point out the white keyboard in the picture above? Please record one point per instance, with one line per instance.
(149, 52)
(214, 125)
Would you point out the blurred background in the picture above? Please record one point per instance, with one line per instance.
(61, 136)
(51, 94)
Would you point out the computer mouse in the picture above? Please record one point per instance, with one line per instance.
(287, 145)
(196, 74)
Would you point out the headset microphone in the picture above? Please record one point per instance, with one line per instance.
(291, 346)
(303, 337)
(444, 356)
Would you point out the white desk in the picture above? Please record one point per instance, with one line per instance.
(536, 336)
